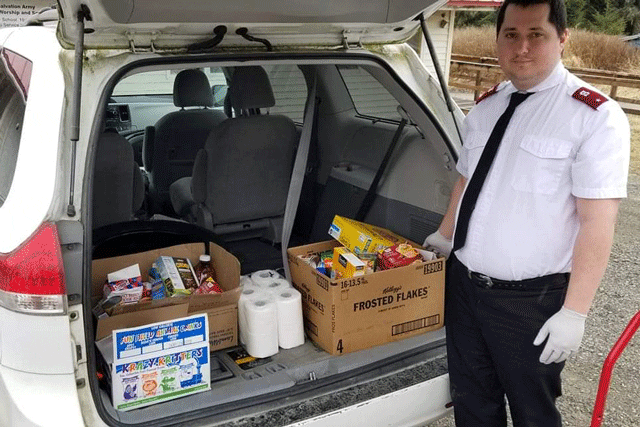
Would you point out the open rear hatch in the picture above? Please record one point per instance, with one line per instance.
(179, 24)
(242, 385)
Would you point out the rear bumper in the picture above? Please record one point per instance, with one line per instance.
(28, 399)
(410, 407)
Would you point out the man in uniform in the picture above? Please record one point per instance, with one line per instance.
(543, 167)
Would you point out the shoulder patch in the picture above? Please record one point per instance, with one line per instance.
(487, 93)
(591, 98)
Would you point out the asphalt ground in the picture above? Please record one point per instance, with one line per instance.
(615, 304)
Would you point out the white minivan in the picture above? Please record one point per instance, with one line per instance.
(129, 125)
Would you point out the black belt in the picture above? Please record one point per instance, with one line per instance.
(536, 282)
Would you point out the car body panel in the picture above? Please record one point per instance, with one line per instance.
(45, 358)
(121, 24)
(39, 142)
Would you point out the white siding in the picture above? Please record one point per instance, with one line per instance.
(440, 27)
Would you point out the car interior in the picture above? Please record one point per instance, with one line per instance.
(181, 161)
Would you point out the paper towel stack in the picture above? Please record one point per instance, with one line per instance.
(269, 314)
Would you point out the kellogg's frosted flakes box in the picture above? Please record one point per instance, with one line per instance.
(159, 362)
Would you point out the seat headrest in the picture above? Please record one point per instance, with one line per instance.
(250, 88)
(191, 89)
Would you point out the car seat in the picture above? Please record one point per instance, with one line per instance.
(241, 178)
(170, 147)
(118, 187)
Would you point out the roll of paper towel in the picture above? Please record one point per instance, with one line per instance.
(260, 320)
(264, 277)
(290, 326)
(245, 280)
(276, 285)
(249, 290)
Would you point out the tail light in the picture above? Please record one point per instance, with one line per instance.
(32, 276)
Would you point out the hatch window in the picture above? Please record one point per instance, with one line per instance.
(369, 97)
(15, 75)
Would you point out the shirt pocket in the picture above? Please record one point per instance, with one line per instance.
(474, 144)
(540, 164)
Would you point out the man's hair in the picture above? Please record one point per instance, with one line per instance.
(557, 12)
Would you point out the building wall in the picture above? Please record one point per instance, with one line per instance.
(440, 27)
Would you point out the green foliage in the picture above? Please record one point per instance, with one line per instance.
(468, 18)
(576, 13)
(608, 21)
(604, 16)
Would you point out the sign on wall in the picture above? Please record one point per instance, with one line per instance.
(16, 12)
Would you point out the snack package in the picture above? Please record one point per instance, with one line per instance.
(158, 289)
(325, 262)
(209, 286)
(126, 283)
(177, 274)
(398, 256)
(346, 264)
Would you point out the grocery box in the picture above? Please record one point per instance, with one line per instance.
(346, 315)
(157, 362)
(221, 309)
(360, 238)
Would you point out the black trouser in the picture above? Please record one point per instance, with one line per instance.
(490, 333)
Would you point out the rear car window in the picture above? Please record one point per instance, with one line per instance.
(289, 90)
(15, 75)
(369, 97)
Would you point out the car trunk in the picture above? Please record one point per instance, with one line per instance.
(352, 135)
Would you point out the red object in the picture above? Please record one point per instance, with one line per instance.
(397, 256)
(605, 376)
(472, 3)
(591, 98)
(35, 267)
(487, 93)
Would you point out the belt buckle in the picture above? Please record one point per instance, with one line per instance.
(482, 278)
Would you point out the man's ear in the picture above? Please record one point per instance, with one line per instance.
(563, 39)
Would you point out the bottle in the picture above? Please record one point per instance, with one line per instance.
(204, 269)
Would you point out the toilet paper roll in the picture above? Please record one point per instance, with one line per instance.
(264, 277)
(290, 326)
(260, 321)
(276, 285)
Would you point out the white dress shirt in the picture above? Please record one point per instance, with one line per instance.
(555, 149)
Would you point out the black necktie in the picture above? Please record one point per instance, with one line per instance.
(468, 202)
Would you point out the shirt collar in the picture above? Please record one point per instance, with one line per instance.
(556, 77)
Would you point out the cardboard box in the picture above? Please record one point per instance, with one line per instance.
(221, 309)
(157, 362)
(346, 315)
(360, 238)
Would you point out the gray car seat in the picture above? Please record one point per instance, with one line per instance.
(170, 147)
(118, 188)
(241, 178)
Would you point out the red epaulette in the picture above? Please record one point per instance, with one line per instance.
(591, 98)
(487, 93)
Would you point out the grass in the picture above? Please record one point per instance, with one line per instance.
(584, 50)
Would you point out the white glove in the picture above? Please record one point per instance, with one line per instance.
(565, 330)
(438, 242)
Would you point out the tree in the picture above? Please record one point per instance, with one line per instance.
(576, 13)
(609, 21)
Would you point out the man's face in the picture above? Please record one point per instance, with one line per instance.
(528, 45)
